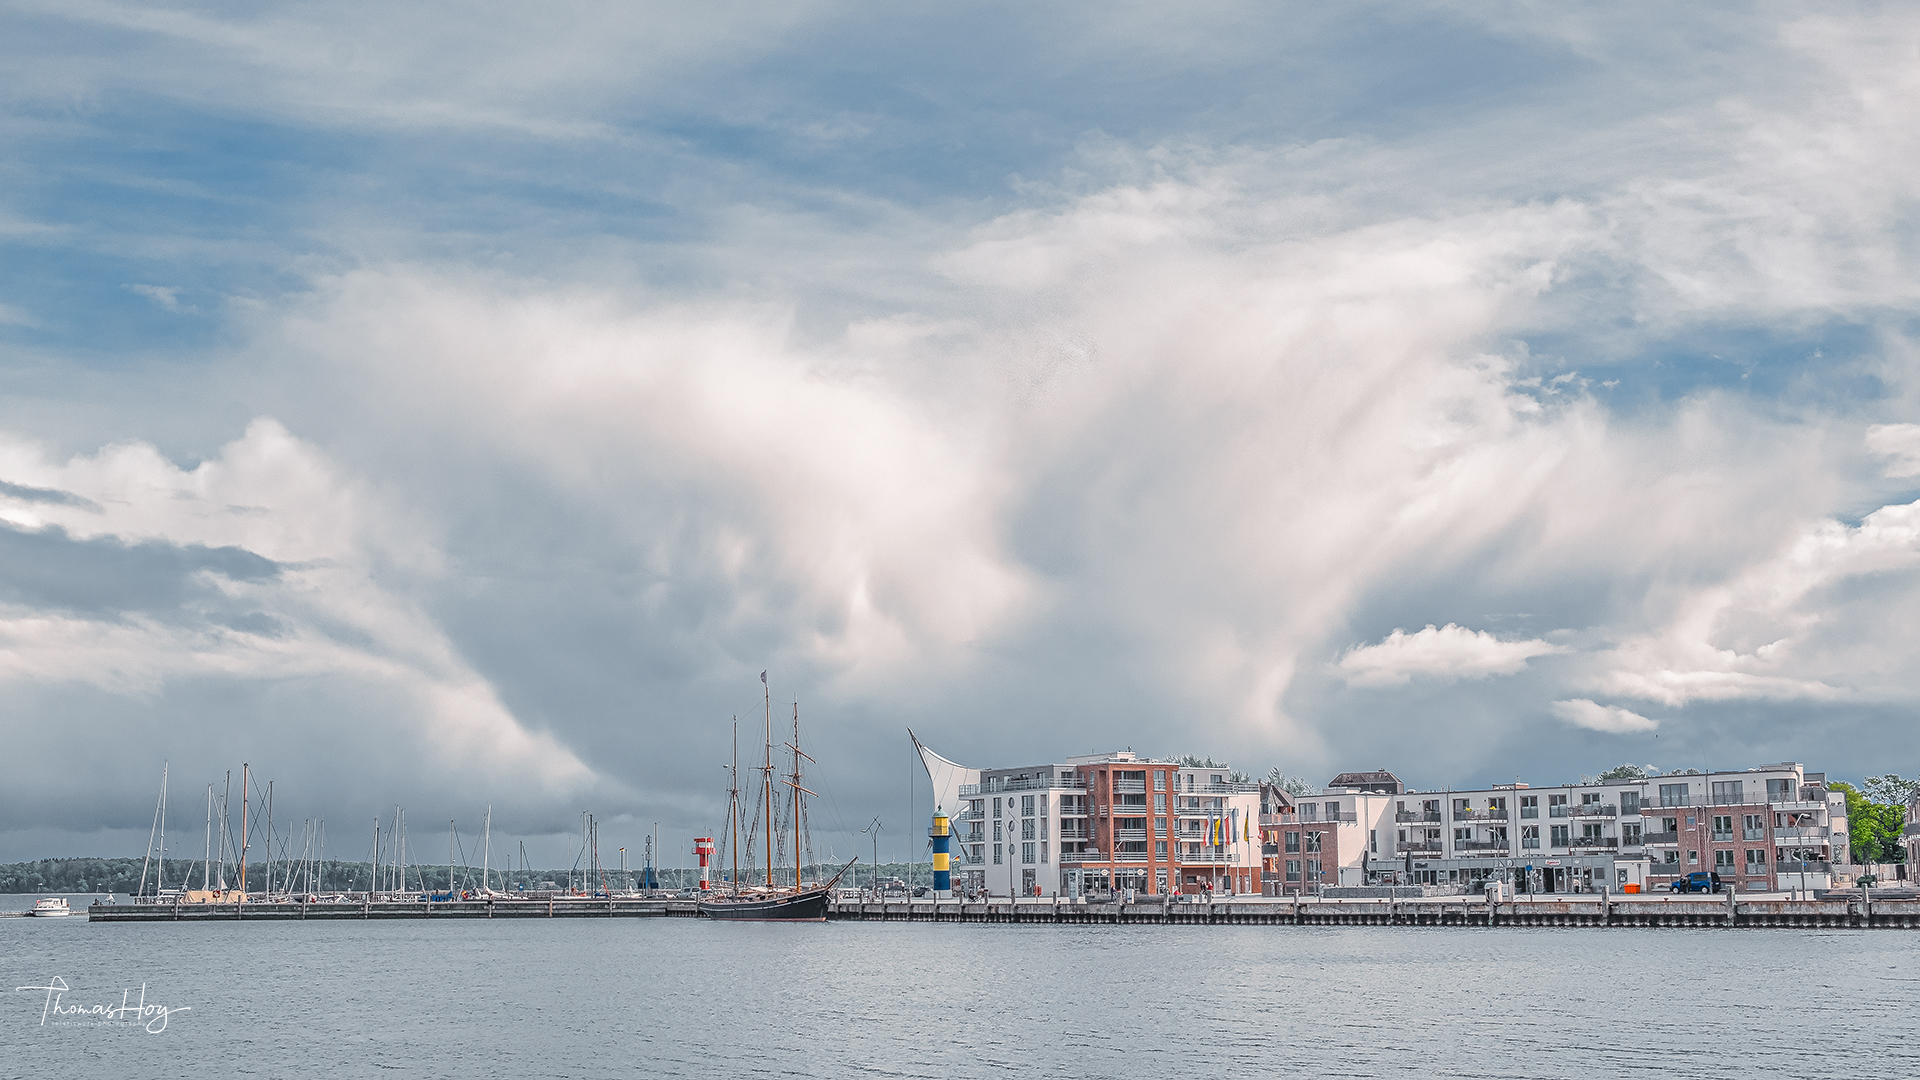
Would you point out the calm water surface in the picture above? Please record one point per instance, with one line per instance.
(682, 997)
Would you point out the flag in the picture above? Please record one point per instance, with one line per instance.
(763, 678)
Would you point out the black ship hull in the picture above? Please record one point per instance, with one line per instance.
(809, 906)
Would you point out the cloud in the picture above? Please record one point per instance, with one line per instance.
(1448, 652)
(1608, 718)
(167, 298)
(1898, 442)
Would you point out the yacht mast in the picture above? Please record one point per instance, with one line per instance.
(486, 855)
(245, 776)
(206, 862)
(733, 805)
(797, 792)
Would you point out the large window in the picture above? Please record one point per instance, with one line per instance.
(996, 848)
(1723, 826)
(1723, 860)
(1026, 830)
(1674, 794)
(1529, 836)
(1293, 869)
(1729, 792)
(1313, 841)
(1026, 853)
(1560, 835)
(1293, 842)
(1629, 803)
(1026, 806)
(1159, 782)
(1756, 860)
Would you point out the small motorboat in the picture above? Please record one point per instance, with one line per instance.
(52, 906)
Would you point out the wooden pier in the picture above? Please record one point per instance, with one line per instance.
(1558, 911)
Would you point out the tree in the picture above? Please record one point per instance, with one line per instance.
(1629, 772)
(1296, 786)
(1874, 828)
(1890, 790)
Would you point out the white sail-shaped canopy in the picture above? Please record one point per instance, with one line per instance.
(946, 776)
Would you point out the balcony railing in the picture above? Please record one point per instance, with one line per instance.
(1416, 846)
(1090, 855)
(1130, 787)
(1216, 858)
(1753, 834)
(1076, 834)
(1660, 838)
(1306, 819)
(1236, 788)
(1068, 809)
(1808, 867)
(1816, 832)
(1127, 834)
(1480, 845)
(1480, 815)
(1559, 810)
(1594, 843)
(1417, 815)
(994, 785)
(1595, 810)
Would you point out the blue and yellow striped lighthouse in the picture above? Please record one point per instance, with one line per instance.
(942, 871)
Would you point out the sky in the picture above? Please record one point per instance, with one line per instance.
(459, 407)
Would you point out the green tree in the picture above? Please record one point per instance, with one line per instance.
(1296, 786)
(1873, 828)
(1629, 772)
(1891, 789)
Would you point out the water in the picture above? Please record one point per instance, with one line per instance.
(683, 997)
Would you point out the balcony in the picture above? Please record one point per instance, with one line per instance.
(1307, 819)
(1529, 811)
(1072, 809)
(1130, 809)
(1432, 816)
(1680, 800)
(1417, 847)
(1212, 858)
(1129, 787)
(1559, 810)
(1660, 838)
(1228, 789)
(1480, 815)
(1593, 843)
(998, 784)
(1753, 834)
(1127, 834)
(1720, 837)
(1087, 856)
(1808, 867)
(1075, 834)
(1821, 833)
(1595, 810)
(1480, 845)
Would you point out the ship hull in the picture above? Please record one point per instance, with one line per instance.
(810, 906)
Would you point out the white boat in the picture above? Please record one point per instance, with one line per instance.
(52, 905)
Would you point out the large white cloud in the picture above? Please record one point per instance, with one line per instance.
(1447, 652)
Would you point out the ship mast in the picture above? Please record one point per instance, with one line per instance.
(733, 805)
(766, 777)
(797, 792)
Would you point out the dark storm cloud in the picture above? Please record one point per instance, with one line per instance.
(104, 576)
(46, 495)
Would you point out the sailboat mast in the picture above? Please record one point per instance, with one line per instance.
(245, 776)
(796, 796)
(733, 805)
(206, 863)
(160, 872)
(486, 855)
(767, 777)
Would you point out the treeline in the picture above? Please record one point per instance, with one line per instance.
(123, 876)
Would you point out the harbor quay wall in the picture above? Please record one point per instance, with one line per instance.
(1594, 911)
(253, 911)
(1610, 911)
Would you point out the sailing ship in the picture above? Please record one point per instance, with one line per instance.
(770, 902)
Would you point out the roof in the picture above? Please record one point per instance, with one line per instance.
(1379, 781)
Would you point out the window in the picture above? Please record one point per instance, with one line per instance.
(1723, 826)
(1293, 869)
(1026, 830)
(1293, 842)
(1591, 832)
(1756, 860)
(1630, 835)
(1497, 804)
(1723, 860)
(1026, 853)
(976, 830)
(1043, 806)
(1333, 811)
(1589, 798)
(1530, 807)
(996, 807)
(1674, 794)
(1728, 792)
(1460, 806)
(1629, 803)
(1309, 811)
(1026, 806)
(1560, 837)
(1556, 806)
(1043, 831)
(1160, 849)
(1159, 780)
(1781, 790)
(1313, 841)
(996, 830)
(1670, 824)
(1159, 826)
(1189, 781)
(1313, 868)
(996, 847)
(1043, 851)
(1159, 804)
(1754, 827)
(1673, 857)
(1693, 858)
(1462, 835)
(1373, 841)
(1529, 836)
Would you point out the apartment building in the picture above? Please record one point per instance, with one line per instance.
(1328, 839)
(1770, 828)
(1098, 822)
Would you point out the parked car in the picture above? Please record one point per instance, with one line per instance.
(1698, 881)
